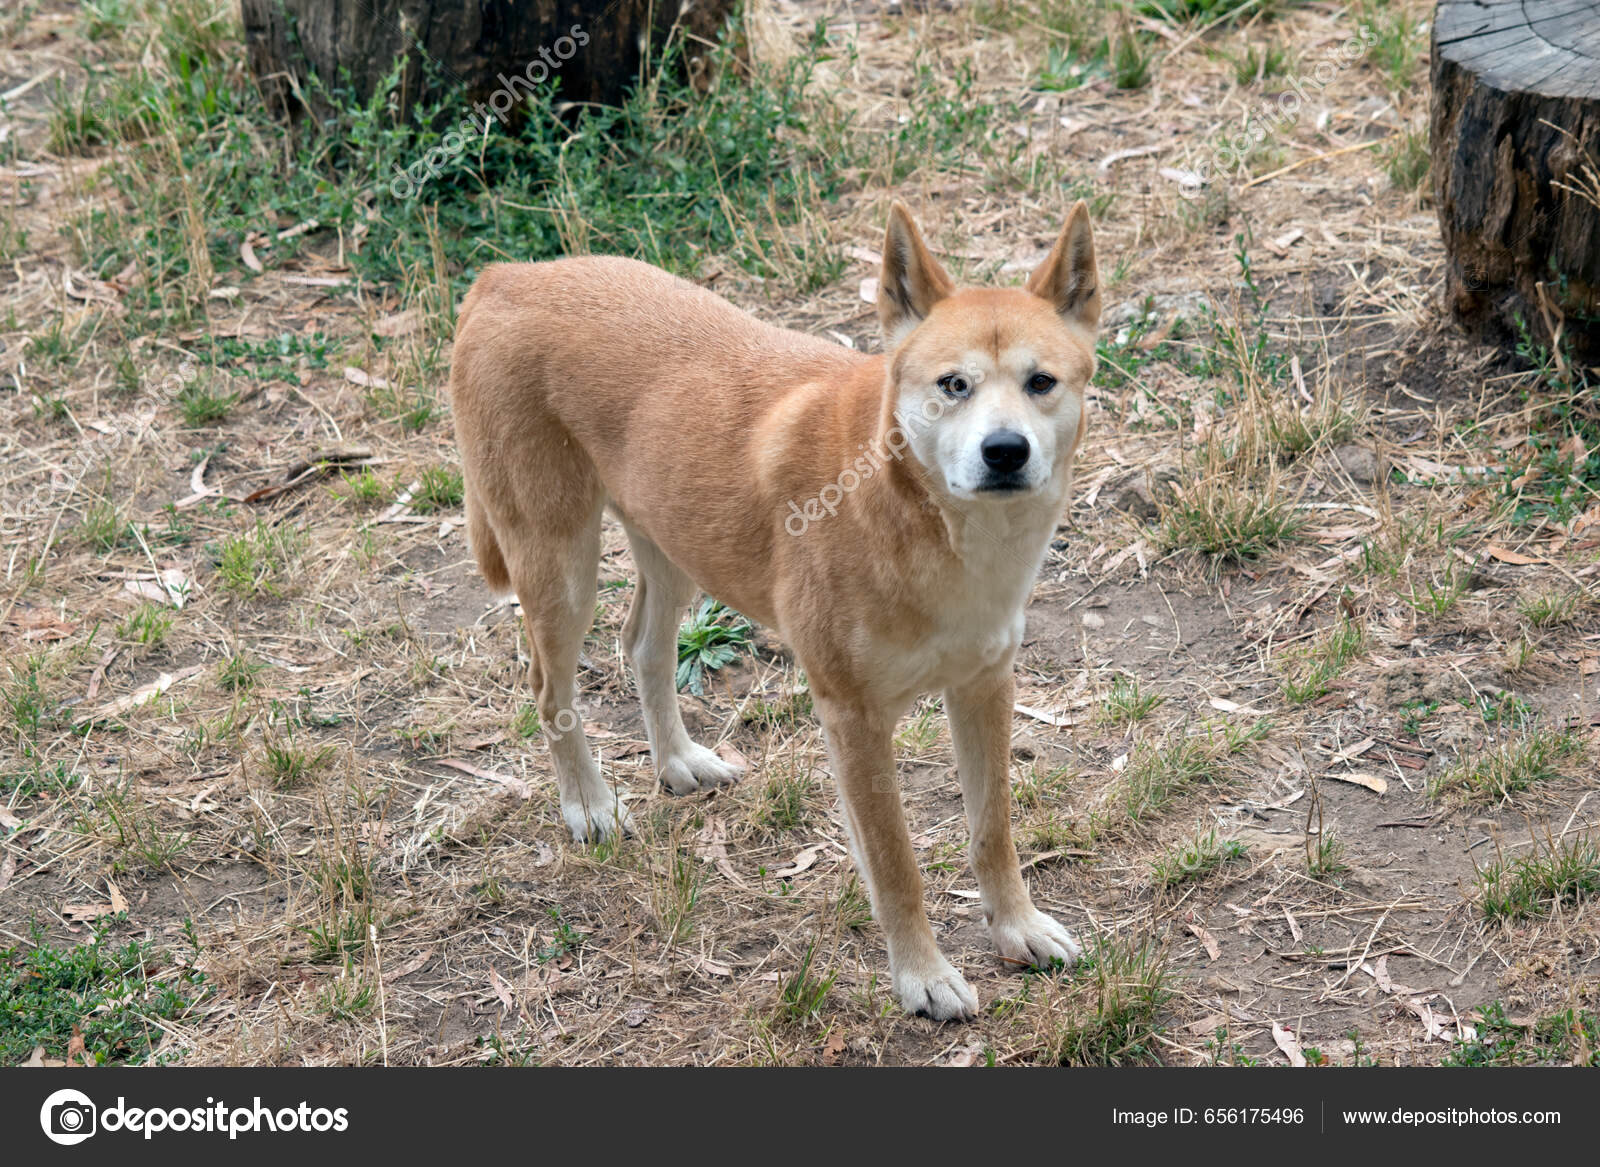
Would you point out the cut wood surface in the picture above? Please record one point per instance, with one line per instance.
(1516, 165)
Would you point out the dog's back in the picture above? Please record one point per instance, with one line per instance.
(598, 379)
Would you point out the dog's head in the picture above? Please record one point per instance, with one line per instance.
(987, 384)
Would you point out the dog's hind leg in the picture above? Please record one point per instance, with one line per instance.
(554, 576)
(650, 638)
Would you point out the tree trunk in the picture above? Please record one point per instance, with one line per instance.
(1516, 166)
(489, 48)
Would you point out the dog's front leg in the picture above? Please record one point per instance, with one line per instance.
(980, 726)
(861, 748)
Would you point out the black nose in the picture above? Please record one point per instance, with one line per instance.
(1005, 451)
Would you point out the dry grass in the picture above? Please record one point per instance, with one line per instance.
(256, 705)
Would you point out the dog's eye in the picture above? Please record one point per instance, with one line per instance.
(955, 385)
(1041, 383)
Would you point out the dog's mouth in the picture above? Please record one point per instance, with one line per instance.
(1004, 484)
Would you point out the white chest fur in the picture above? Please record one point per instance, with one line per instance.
(978, 613)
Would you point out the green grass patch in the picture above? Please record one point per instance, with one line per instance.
(115, 995)
(1308, 677)
(1562, 874)
(1570, 1037)
(1127, 702)
(1496, 774)
(1196, 858)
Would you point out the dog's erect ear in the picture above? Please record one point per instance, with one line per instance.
(1068, 277)
(911, 282)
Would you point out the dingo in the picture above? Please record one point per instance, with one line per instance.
(927, 482)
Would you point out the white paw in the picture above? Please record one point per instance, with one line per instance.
(601, 818)
(695, 768)
(936, 989)
(1034, 938)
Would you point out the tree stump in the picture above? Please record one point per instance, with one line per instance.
(485, 47)
(1516, 166)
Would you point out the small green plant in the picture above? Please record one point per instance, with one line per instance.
(710, 639)
(1257, 63)
(148, 625)
(1220, 1051)
(1127, 702)
(1035, 787)
(349, 998)
(103, 527)
(1308, 678)
(526, 722)
(258, 561)
(1440, 592)
(1396, 41)
(1494, 775)
(1407, 160)
(565, 940)
(1196, 858)
(1414, 712)
(1503, 709)
(201, 407)
(1236, 737)
(1537, 884)
(1221, 516)
(103, 20)
(1157, 775)
(341, 934)
(1550, 609)
(55, 345)
(1325, 854)
(1556, 472)
(1131, 60)
(1122, 984)
(26, 700)
(290, 765)
(1565, 1038)
(921, 733)
(238, 673)
(439, 489)
(802, 995)
(781, 802)
(675, 886)
(135, 830)
(1183, 12)
(855, 906)
(789, 710)
(363, 488)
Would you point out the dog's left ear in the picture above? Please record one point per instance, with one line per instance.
(1068, 277)
(911, 282)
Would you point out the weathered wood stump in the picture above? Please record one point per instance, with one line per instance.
(1516, 166)
(487, 48)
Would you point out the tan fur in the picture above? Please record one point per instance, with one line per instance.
(594, 382)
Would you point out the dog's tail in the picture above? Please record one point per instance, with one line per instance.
(480, 534)
(485, 547)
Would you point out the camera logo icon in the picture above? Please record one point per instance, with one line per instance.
(68, 1117)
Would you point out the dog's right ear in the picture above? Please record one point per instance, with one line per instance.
(911, 282)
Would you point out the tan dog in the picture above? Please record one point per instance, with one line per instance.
(886, 514)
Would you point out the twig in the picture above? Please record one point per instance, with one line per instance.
(1282, 170)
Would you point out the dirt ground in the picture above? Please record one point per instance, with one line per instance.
(292, 748)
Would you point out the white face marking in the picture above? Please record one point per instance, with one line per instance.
(948, 433)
